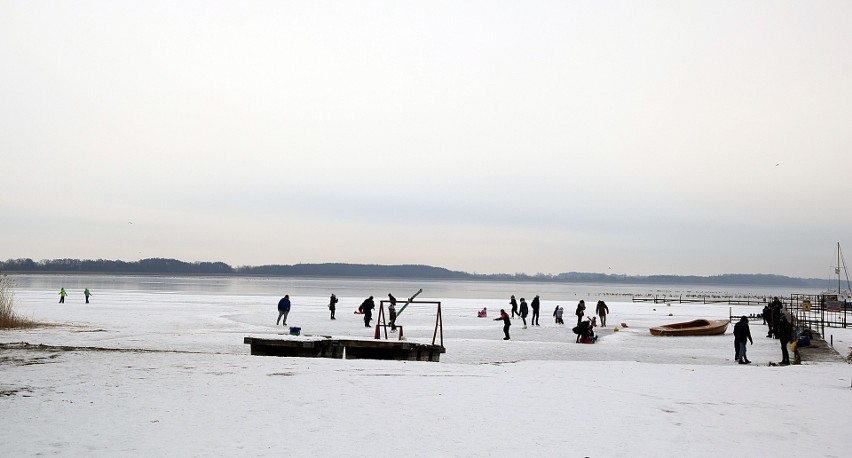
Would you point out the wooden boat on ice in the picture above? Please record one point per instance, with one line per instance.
(692, 328)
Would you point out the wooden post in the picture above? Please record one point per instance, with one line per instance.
(380, 321)
(439, 323)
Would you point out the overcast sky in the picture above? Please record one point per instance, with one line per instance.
(677, 137)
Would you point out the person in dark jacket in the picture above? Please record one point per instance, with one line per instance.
(581, 310)
(392, 311)
(535, 305)
(582, 330)
(332, 305)
(785, 334)
(514, 305)
(506, 322)
(742, 333)
(601, 309)
(524, 311)
(367, 307)
(775, 315)
(765, 314)
(283, 309)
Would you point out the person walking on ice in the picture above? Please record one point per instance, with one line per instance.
(62, 295)
(514, 305)
(524, 311)
(742, 333)
(506, 321)
(602, 310)
(87, 294)
(283, 309)
(366, 308)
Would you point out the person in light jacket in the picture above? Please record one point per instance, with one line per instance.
(558, 314)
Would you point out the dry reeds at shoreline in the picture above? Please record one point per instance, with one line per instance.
(9, 319)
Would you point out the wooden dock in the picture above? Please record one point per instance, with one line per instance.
(326, 347)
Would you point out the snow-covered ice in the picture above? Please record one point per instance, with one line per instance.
(171, 376)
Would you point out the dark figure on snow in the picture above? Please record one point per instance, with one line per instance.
(765, 314)
(742, 334)
(506, 322)
(366, 308)
(332, 305)
(535, 305)
(524, 311)
(785, 334)
(557, 314)
(392, 311)
(584, 332)
(775, 313)
(602, 311)
(283, 309)
(514, 305)
(581, 310)
(87, 294)
(62, 295)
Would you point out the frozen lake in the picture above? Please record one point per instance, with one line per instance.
(157, 365)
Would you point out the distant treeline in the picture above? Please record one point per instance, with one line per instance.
(174, 266)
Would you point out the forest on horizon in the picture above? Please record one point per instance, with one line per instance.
(154, 266)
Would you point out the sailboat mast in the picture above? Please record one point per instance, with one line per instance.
(837, 269)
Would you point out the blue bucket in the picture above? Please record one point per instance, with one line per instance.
(294, 331)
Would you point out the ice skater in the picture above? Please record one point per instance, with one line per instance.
(506, 321)
(558, 315)
(62, 295)
(283, 310)
(523, 311)
(87, 294)
(514, 305)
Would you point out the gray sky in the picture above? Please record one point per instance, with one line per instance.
(621, 137)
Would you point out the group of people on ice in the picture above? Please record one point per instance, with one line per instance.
(366, 308)
(779, 328)
(62, 295)
(584, 329)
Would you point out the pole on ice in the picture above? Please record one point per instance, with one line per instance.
(410, 299)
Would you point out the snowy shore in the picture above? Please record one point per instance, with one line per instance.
(171, 376)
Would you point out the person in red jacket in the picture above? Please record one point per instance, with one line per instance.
(506, 322)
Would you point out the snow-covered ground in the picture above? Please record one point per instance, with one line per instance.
(172, 377)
